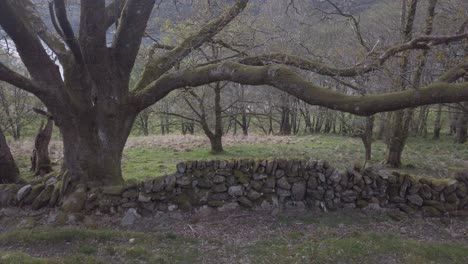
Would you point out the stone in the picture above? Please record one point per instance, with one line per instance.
(51, 181)
(298, 191)
(219, 196)
(23, 192)
(397, 215)
(43, 198)
(244, 201)
(279, 173)
(219, 188)
(270, 182)
(317, 194)
(148, 185)
(181, 167)
(349, 196)
(144, 198)
(55, 196)
(228, 207)
(129, 205)
(184, 180)
(461, 190)
(415, 199)
(132, 193)
(113, 190)
(406, 208)
(35, 191)
(170, 182)
(362, 203)
(367, 180)
(219, 179)
(312, 183)
(335, 176)
(430, 211)
(257, 185)
(283, 193)
(75, 202)
(205, 183)
(452, 198)
(451, 187)
(214, 203)
(258, 176)
(329, 195)
(253, 195)
(283, 183)
(130, 217)
(236, 190)
(425, 192)
(321, 177)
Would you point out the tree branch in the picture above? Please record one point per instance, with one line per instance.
(127, 40)
(156, 67)
(18, 80)
(65, 26)
(41, 68)
(424, 42)
(288, 81)
(92, 36)
(112, 12)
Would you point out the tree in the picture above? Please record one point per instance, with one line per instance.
(40, 161)
(9, 172)
(94, 107)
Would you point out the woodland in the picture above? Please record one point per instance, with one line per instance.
(103, 95)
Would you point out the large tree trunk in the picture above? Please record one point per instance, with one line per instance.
(9, 172)
(40, 161)
(93, 146)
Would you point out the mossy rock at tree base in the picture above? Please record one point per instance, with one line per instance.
(43, 198)
(35, 191)
(75, 202)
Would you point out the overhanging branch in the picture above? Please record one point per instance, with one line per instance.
(290, 82)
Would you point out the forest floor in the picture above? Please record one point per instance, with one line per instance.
(240, 236)
(154, 156)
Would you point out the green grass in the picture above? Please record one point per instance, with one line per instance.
(422, 157)
(366, 247)
(98, 246)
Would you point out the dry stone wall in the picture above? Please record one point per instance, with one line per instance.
(264, 184)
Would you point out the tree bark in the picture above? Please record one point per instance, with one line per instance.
(9, 172)
(366, 137)
(438, 123)
(462, 126)
(40, 161)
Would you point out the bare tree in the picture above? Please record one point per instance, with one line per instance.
(9, 172)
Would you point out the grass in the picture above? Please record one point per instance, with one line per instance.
(324, 245)
(358, 247)
(423, 157)
(98, 246)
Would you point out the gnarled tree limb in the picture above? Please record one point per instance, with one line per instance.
(290, 82)
(424, 42)
(156, 67)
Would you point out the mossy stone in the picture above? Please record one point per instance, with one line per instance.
(241, 177)
(75, 202)
(35, 191)
(43, 198)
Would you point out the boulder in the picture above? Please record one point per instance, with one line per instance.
(43, 198)
(236, 190)
(298, 191)
(23, 192)
(415, 199)
(130, 217)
